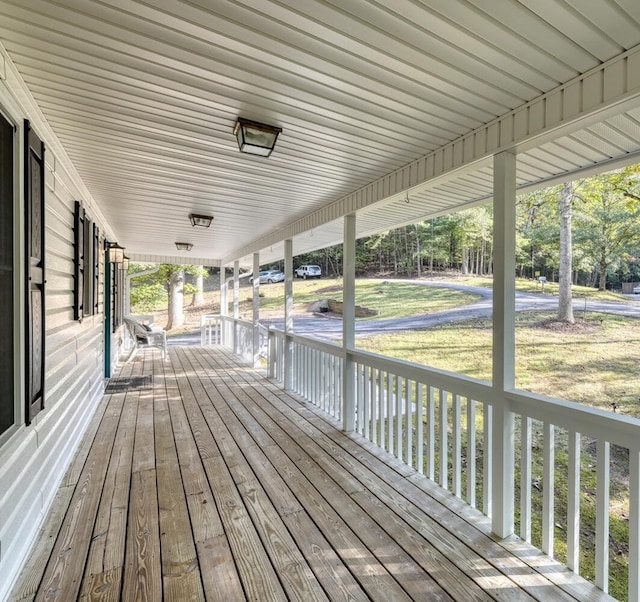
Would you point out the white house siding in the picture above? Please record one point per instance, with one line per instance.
(33, 459)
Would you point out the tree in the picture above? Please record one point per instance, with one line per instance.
(200, 273)
(607, 218)
(565, 304)
(175, 289)
(166, 286)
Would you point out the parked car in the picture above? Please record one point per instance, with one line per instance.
(269, 277)
(308, 271)
(636, 290)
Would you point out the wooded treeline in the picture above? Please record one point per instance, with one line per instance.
(605, 228)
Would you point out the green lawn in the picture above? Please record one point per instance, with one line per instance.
(595, 362)
(526, 285)
(390, 299)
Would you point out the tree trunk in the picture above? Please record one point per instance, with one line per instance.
(602, 280)
(176, 300)
(198, 296)
(565, 304)
(418, 252)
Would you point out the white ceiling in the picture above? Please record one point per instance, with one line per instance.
(144, 96)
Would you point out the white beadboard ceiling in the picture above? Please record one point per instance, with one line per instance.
(143, 97)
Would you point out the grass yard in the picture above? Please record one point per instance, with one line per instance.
(390, 299)
(526, 285)
(594, 362)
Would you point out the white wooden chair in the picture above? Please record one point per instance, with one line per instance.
(145, 336)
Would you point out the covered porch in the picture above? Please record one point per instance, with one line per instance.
(119, 130)
(208, 481)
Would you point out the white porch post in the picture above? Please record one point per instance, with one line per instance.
(224, 298)
(236, 303)
(634, 524)
(256, 308)
(348, 322)
(288, 313)
(504, 197)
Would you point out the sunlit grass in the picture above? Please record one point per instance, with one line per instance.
(596, 364)
(390, 299)
(526, 285)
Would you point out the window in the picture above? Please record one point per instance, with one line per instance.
(7, 395)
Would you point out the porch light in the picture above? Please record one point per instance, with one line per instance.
(255, 138)
(116, 253)
(184, 246)
(201, 220)
(125, 263)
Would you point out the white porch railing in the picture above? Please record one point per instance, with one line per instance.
(316, 366)
(444, 425)
(235, 335)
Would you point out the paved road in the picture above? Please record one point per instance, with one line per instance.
(330, 327)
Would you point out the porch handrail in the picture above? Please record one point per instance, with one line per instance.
(441, 423)
(599, 424)
(234, 334)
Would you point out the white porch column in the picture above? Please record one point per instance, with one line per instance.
(288, 313)
(504, 203)
(256, 307)
(634, 523)
(348, 322)
(236, 290)
(236, 303)
(224, 297)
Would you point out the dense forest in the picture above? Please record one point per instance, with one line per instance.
(605, 226)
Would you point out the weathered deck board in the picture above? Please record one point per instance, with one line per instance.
(217, 485)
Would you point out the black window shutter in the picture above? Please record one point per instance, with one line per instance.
(87, 306)
(79, 261)
(96, 267)
(35, 285)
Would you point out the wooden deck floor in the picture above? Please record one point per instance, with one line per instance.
(214, 484)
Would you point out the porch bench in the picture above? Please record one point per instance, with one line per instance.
(143, 335)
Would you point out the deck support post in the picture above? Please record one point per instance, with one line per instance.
(348, 322)
(504, 204)
(634, 524)
(256, 309)
(224, 297)
(288, 313)
(236, 304)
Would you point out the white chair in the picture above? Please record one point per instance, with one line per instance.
(145, 336)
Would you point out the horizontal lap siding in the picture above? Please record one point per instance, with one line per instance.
(33, 462)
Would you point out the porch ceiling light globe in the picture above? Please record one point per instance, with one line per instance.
(184, 246)
(255, 138)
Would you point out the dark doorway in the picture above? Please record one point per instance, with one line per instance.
(7, 393)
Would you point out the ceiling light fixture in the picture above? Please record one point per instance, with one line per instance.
(255, 138)
(200, 220)
(116, 253)
(184, 246)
